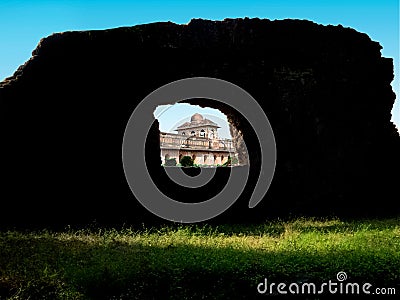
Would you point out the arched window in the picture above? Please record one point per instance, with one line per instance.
(166, 157)
(202, 133)
(193, 157)
(183, 133)
(222, 158)
(193, 133)
(205, 158)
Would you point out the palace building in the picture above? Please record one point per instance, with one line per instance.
(199, 140)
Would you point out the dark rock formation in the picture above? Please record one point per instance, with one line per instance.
(325, 89)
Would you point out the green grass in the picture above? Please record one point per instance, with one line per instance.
(195, 262)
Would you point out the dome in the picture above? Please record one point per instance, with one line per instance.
(196, 118)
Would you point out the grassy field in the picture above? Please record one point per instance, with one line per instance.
(196, 262)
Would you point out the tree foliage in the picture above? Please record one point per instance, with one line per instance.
(186, 161)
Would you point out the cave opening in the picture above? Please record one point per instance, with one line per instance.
(196, 135)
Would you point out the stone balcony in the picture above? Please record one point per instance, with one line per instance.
(175, 141)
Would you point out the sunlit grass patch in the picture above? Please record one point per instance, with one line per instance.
(194, 261)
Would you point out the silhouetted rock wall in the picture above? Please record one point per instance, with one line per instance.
(325, 89)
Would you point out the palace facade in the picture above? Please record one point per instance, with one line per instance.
(199, 140)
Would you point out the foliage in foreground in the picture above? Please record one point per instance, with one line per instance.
(192, 262)
(186, 161)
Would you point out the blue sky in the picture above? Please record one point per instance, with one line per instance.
(171, 116)
(24, 23)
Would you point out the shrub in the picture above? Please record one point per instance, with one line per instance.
(234, 161)
(230, 162)
(187, 161)
(170, 162)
